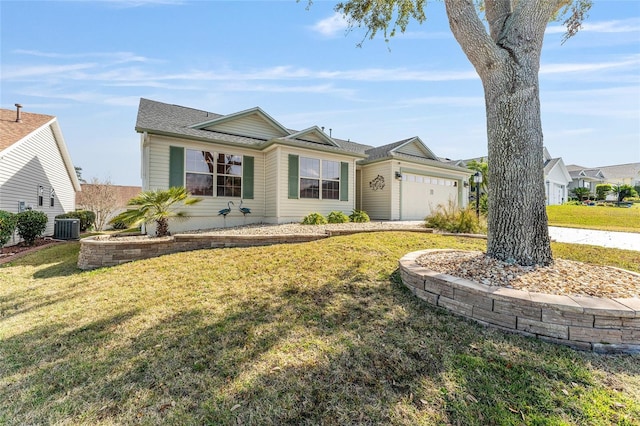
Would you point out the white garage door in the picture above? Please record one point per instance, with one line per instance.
(422, 194)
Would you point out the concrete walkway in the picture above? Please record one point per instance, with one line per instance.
(621, 240)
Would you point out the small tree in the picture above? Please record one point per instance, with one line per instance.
(602, 190)
(157, 206)
(31, 224)
(581, 193)
(624, 191)
(100, 198)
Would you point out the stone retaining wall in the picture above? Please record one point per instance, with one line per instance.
(97, 253)
(587, 323)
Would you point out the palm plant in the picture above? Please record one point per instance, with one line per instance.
(157, 206)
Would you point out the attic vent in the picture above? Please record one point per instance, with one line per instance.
(18, 117)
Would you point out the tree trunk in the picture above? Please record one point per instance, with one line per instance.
(162, 227)
(507, 60)
(517, 220)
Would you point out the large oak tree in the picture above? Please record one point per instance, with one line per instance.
(506, 55)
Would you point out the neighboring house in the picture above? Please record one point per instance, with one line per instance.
(282, 174)
(622, 174)
(36, 171)
(556, 180)
(584, 177)
(556, 176)
(117, 198)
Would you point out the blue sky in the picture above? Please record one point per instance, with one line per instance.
(89, 63)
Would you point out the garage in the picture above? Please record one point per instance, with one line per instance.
(420, 195)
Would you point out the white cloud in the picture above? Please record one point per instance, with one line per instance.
(23, 72)
(117, 57)
(331, 26)
(588, 67)
(618, 26)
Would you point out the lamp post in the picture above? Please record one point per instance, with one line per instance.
(477, 179)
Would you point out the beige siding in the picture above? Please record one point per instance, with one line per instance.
(387, 203)
(377, 203)
(293, 210)
(412, 149)
(205, 213)
(251, 126)
(35, 162)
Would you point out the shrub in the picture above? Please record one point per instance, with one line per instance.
(359, 216)
(337, 217)
(314, 219)
(31, 224)
(7, 226)
(118, 224)
(87, 218)
(453, 219)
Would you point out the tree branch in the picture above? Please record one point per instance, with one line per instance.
(497, 12)
(471, 35)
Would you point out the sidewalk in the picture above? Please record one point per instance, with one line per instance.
(621, 240)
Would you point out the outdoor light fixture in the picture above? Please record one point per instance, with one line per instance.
(477, 179)
(398, 175)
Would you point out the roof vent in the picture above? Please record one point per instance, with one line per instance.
(18, 117)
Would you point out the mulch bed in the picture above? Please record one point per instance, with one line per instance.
(7, 254)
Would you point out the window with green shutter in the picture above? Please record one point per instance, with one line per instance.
(293, 176)
(176, 166)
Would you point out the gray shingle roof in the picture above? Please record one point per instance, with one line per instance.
(174, 120)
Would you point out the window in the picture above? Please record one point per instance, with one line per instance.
(330, 180)
(316, 174)
(202, 171)
(40, 195)
(309, 178)
(229, 180)
(52, 197)
(199, 172)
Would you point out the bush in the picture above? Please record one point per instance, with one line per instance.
(314, 219)
(31, 224)
(359, 216)
(337, 217)
(87, 218)
(453, 219)
(7, 226)
(118, 224)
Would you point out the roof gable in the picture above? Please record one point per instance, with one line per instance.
(253, 122)
(415, 147)
(313, 134)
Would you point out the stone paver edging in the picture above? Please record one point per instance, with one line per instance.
(97, 253)
(582, 322)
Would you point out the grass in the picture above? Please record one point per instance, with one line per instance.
(283, 335)
(596, 217)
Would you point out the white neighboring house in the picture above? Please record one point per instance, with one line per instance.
(35, 167)
(556, 180)
(281, 174)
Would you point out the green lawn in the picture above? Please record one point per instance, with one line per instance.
(314, 333)
(596, 217)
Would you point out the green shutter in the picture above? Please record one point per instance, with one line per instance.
(176, 166)
(294, 167)
(247, 177)
(344, 181)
